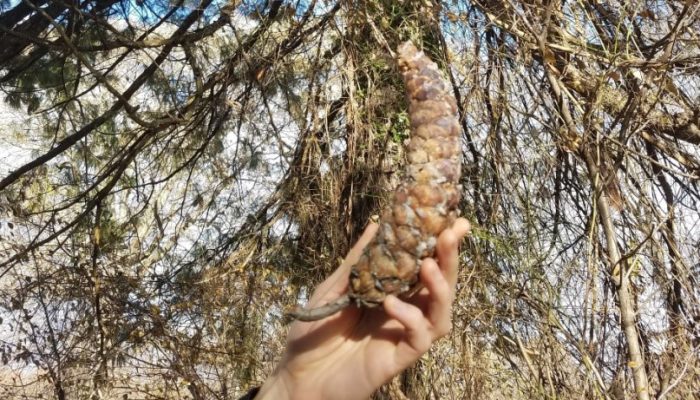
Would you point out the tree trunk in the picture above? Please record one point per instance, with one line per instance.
(618, 270)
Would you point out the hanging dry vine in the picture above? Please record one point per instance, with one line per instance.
(424, 204)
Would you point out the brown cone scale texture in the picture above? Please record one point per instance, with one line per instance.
(424, 204)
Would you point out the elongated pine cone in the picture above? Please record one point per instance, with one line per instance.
(424, 204)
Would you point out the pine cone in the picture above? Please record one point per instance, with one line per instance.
(424, 204)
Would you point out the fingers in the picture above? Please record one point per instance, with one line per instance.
(422, 327)
(462, 227)
(337, 282)
(448, 249)
(418, 335)
(441, 295)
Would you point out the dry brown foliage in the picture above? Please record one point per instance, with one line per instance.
(192, 168)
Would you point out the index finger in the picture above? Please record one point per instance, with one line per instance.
(337, 282)
(448, 249)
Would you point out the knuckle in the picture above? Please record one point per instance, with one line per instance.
(424, 344)
(443, 328)
(416, 317)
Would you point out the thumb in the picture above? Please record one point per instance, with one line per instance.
(336, 284)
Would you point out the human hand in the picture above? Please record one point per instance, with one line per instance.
(351, 354)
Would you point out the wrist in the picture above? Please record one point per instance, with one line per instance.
(278, 386)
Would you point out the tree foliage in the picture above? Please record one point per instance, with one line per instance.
(178, 172)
